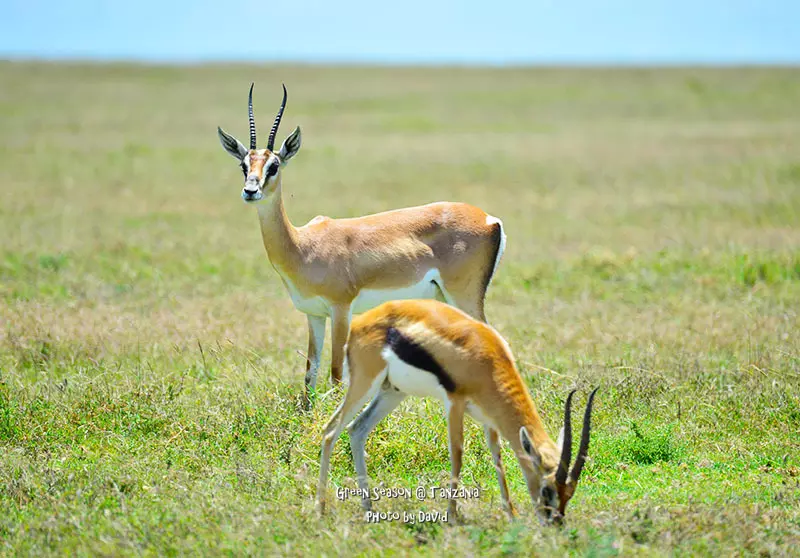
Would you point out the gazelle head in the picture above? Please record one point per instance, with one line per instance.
(557, 485)
(261, 167)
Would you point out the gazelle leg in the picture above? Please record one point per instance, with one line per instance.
(340, 328)
(455, 438)
(467, 291)
(466, 297)
(472, 304)
(316, 341)
(384, 403)
(361, 389)
(493, 441)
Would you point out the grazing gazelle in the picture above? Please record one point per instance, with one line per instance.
(337, 267)
(426, 348)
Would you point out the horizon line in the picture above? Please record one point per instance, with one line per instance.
(369, 63)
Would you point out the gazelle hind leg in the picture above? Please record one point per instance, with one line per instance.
(361, 390)
(385, 402)
(455, 438)
(493, 441)
(472, 304)
(466, 290)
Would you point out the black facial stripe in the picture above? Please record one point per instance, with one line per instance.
(272, 170)
(415, 355)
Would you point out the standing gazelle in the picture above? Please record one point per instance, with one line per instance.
(337, 267)
(426, 348)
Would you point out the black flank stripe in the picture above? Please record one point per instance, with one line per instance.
(415, 355)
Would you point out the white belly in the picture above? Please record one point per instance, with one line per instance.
(411, 380)
(370, 298)
(367, 298)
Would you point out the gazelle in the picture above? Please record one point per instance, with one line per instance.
(337, 267)
(426, 348)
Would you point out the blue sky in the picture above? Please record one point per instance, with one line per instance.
(411, 31)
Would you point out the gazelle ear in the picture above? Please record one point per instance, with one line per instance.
(527, 445)
(233, 146)
(290, 147)
(560, 441)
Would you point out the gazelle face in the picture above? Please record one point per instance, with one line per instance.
(261, 167)
(551, 475)
(550, 501)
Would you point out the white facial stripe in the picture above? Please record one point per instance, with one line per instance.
(264, 177)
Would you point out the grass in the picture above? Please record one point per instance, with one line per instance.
(149, 375)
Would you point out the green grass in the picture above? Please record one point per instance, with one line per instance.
(149, 377)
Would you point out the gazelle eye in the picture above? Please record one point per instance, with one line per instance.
(244, 169)
(273, 169)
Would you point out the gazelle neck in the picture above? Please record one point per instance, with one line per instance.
(544, 444)
(530, 419)
(277, 232)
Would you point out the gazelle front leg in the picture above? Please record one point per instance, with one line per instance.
(340, 328)
(316, 341)
(455, 437)
(361, 388)
(493, 441)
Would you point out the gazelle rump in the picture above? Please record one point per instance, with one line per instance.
(426, 348)
(334, 268)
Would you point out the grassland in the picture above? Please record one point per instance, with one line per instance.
(149, 375)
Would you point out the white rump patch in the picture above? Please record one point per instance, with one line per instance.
(491, 220)
(412, 380)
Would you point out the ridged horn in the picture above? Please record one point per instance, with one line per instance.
(253, 144)
(566, 449)
(274, 131)
(583, 450)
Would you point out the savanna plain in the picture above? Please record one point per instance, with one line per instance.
(151, 366)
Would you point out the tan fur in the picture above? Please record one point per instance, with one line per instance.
(337, 258)
(481, 366)
(472, 352)
(335, 267)
(257, 162)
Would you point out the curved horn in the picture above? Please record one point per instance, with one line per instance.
(584, 447)
(566, 449)
(253, 144)
(271, 141)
